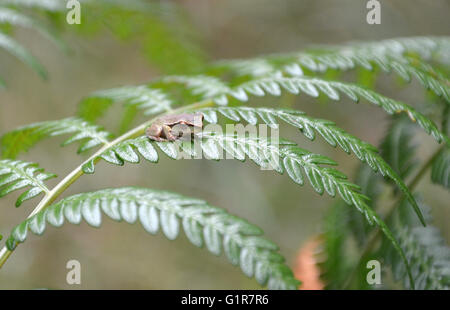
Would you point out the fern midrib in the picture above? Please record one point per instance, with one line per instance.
(73, 176)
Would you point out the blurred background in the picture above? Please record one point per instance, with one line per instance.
(123, 256)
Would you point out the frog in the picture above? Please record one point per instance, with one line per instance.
(175, 127)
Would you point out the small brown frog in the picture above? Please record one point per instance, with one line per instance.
(175, 127)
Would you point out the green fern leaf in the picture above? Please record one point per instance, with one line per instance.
(327, 129)
(149, 101)
(202, 223)
(15, 175)
(23, 138)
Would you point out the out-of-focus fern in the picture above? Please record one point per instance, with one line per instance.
(10, 15)
(440, 172)
(167, 37)
(398, 148)
(334, 264)
(156, 25)
(202, 223)
(425, 248)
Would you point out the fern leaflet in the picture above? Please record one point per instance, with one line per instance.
(23, 138)
(16, 174)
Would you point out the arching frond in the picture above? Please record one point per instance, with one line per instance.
(308, 126)
(273, 85)
(202, 223)
(23, 138)
(16, 174)
(405, 56)
(282, 156)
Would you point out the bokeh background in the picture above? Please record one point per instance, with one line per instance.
(123, 256)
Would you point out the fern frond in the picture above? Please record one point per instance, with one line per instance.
(308, 126)
(202, 223)
(150, 101)
(17, 50)
(392, 55)
(16, 174)
(274, 85)
(23, 138)
(428, 254)
(285, 156)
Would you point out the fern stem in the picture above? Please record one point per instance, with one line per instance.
(52, 195)
(376, 235)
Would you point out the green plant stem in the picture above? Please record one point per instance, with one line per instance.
(376, 235)
(78, 172)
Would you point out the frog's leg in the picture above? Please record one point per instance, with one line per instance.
(167, 134)
(154, 133)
